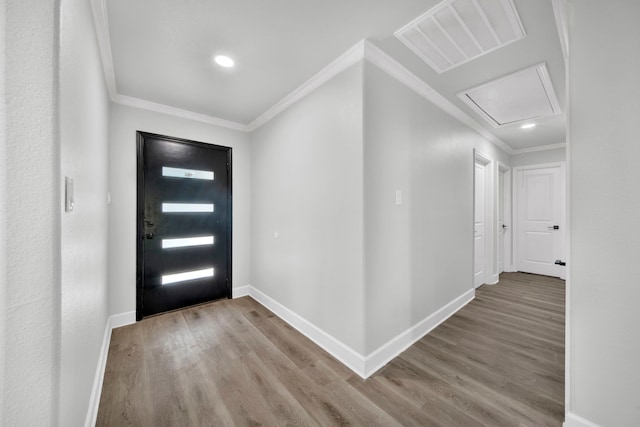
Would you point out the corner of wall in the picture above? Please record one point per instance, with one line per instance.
(573, 420)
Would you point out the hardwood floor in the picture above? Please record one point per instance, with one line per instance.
(497, 362)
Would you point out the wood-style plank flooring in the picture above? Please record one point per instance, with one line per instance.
(497, 362)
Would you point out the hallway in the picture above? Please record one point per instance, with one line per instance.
(498, 361)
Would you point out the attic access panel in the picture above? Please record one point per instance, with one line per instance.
(524, 95)
(456, 31)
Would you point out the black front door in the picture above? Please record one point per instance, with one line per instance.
(184, 223)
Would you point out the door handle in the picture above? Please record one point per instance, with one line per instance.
(150, 235)
(504, 226)
(554, 227)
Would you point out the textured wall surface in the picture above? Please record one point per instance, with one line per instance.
(84, 110)
(31, 365)
(124, 122)
(604, 287)
(306, 183)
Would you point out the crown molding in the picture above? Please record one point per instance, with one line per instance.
(101, 23)
(560, 10)
(344, 61)
(177, 112)
(364, 49)
(540, 148)
(392, 67)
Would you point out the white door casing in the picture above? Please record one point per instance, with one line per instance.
(481, 221)
(508, 222)
(479, 254)
(540, 208)
(501, 230)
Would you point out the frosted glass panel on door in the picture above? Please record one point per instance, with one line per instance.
(187, 207)
(187, 275)
(187, 242)
(187, 173)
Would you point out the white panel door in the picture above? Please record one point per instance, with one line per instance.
(479, 264)
(540, 216)
(501, 222)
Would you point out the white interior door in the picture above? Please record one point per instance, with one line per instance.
(501, 222)
(540, 220)
(479, 264)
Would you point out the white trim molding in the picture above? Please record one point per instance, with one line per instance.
(364, 49)
(364, 366)
(177, 112)
(242, 291)
(406, 339)
(101, 23)
(115, 321)
(361, 365)
(396, 70)
(560, 10)
(344, 61)
(539, 70)
(573, 420)
(540, 148)
(342, 352)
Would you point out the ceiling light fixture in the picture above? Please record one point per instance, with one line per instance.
(528, 126)
(224, 61)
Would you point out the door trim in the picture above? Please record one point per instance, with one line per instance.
(484, 160)
(140, 137)
(505, 170)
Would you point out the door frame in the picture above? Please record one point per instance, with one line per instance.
(563, 209)
(506, 218)
(140, 137)
(480, 158)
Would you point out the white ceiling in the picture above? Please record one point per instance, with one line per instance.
(162, 52)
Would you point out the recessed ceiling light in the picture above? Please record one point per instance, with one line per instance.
(528, 126)
(224, 61)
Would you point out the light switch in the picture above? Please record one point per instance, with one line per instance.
(398, 197)
(68, 194)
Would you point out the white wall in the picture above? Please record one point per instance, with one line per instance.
(84, 110)
(539, 157)
(124, 122)
(418, 254)
(306, 185)
(3, 205)
(32, 223)
(604, 65)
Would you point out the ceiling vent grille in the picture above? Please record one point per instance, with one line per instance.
(524, 95)
(457, 31)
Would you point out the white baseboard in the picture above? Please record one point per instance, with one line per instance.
(346, 355)
(406, 339)
(122, 319)
(242, 291)
(115, 321)
(361, 365)
(573, 420)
